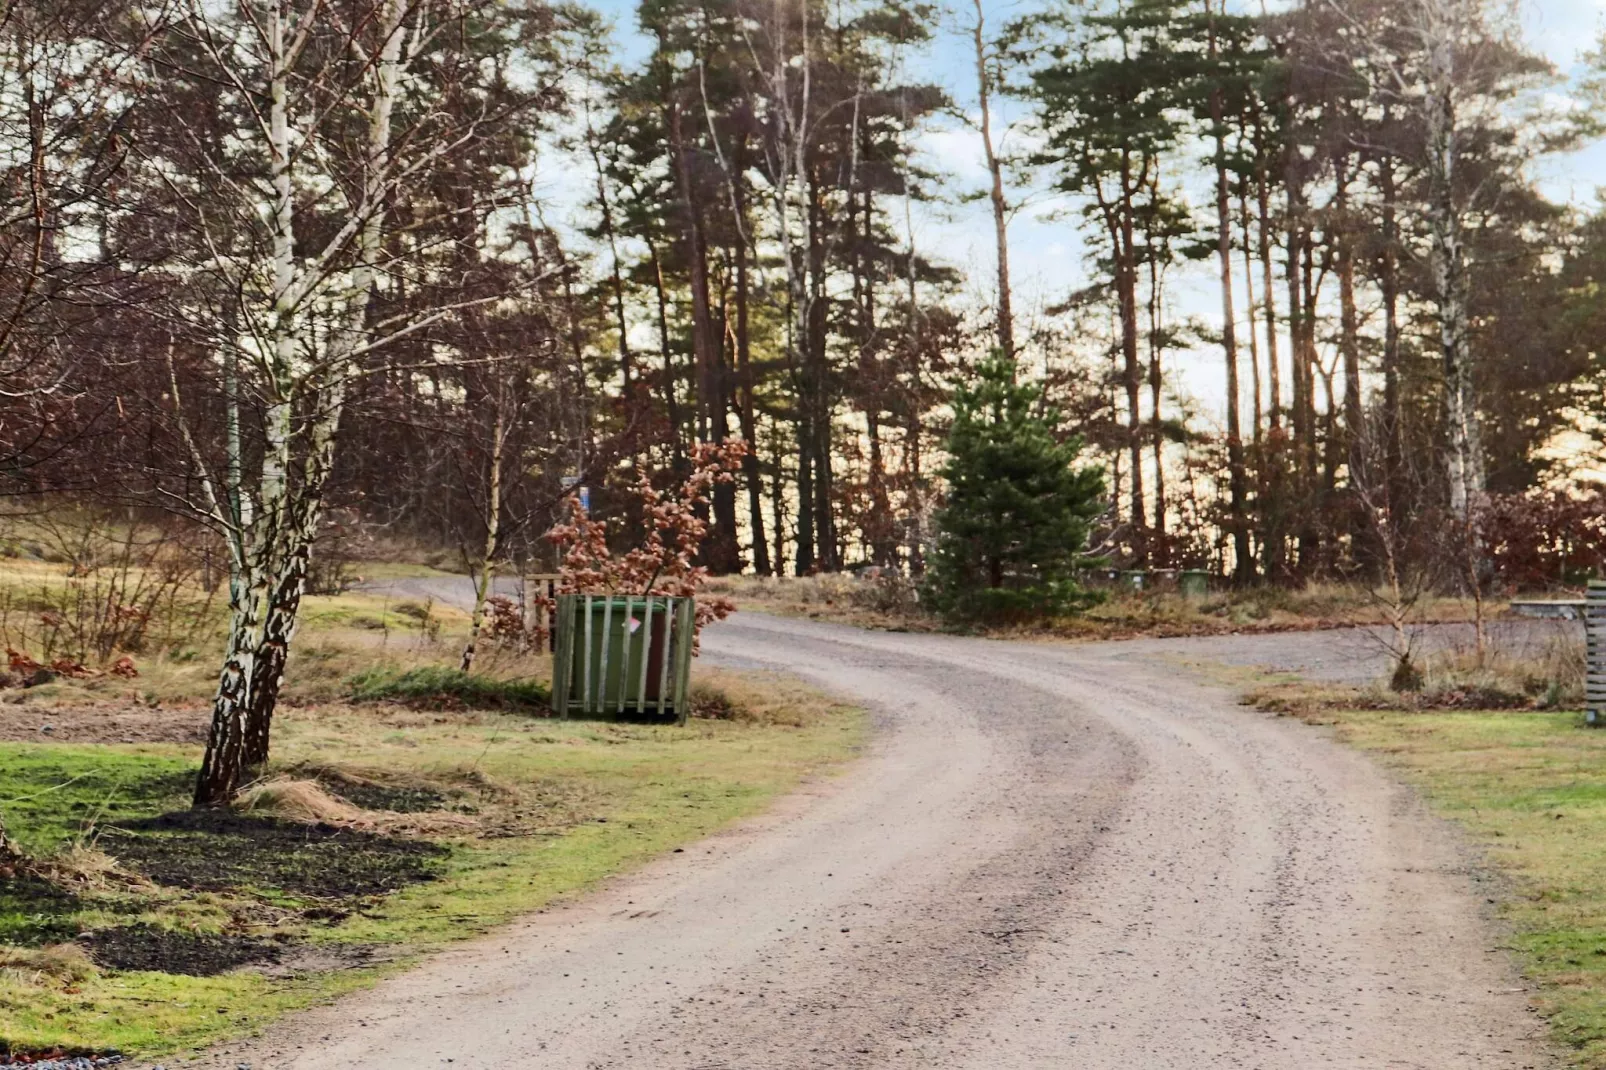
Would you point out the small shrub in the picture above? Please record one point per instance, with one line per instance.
(886, 592)
(1406, 676)
(414, 611)
(440, 686)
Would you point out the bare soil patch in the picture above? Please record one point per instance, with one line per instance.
(217, 850)
(124, 723)
(146, 947)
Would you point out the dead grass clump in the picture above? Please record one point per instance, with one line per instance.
(1541, 676)
(1316, 703)
(83, 867)
(298, 800)
(77, 869)
(757, 698)
(307, 800)
(1547, 675)
(58, 964)
(872, 598)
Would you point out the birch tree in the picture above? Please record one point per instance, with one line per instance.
(1456, 68)
(286, 217)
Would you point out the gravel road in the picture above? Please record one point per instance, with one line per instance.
(1051, 857)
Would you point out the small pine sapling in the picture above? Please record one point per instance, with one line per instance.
(1013, 528)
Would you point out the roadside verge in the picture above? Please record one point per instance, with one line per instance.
(383, 831)
(1529, 786)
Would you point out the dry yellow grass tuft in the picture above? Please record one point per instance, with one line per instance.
(58, 964)
(758, 698)
(887, 600)
(299, 800)
(1513, 676)
(309, 801)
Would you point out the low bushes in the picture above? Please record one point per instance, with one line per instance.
(434, 685)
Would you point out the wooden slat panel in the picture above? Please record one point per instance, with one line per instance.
(688, 613)
(585, 689)
(563, 653)
(669, 654)
(624, 658)
(1595, 645)
(646, 653)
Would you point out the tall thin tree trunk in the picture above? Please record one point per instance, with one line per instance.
(1159, 551)
(1122, 241)
(1389, 284)
(297, 527)
(806, 562)
(778, 501)
(1349, 345)
(722, 552)
(995, 169)
(744, 375)
(1268, 286)
(821, 448)
(1243, 565)
(1349, 339)
(224, 762)
(486, 574)
(666, 350)
(1448, 270)
(1296, 332)
(1257, 415)
(616, 276)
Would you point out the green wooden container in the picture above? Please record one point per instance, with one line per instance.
(1135, 579)
(1194, 583)
(623, 656)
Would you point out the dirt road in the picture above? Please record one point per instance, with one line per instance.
(1074, 857)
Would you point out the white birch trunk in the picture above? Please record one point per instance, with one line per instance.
(252, 563)
(299, 529)
(1442, 37)
(493, 526)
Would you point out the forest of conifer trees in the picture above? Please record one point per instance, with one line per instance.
(270, 265)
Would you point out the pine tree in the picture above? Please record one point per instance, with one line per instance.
(1015, 523)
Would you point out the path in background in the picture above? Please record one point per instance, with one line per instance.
(1344, 656)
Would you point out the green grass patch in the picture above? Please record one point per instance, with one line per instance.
(526, 811)
(56, 796)
(1531, 788)
(433, 685)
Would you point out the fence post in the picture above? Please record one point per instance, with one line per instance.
(563, 654)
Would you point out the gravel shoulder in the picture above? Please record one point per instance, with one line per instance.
(1052, 856)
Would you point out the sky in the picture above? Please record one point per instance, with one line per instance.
(1047, 255)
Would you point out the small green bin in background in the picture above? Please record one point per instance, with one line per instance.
(1194, 583)
(623, 656)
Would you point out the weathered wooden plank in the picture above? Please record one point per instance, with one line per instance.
(646, 653)
(688, 614)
